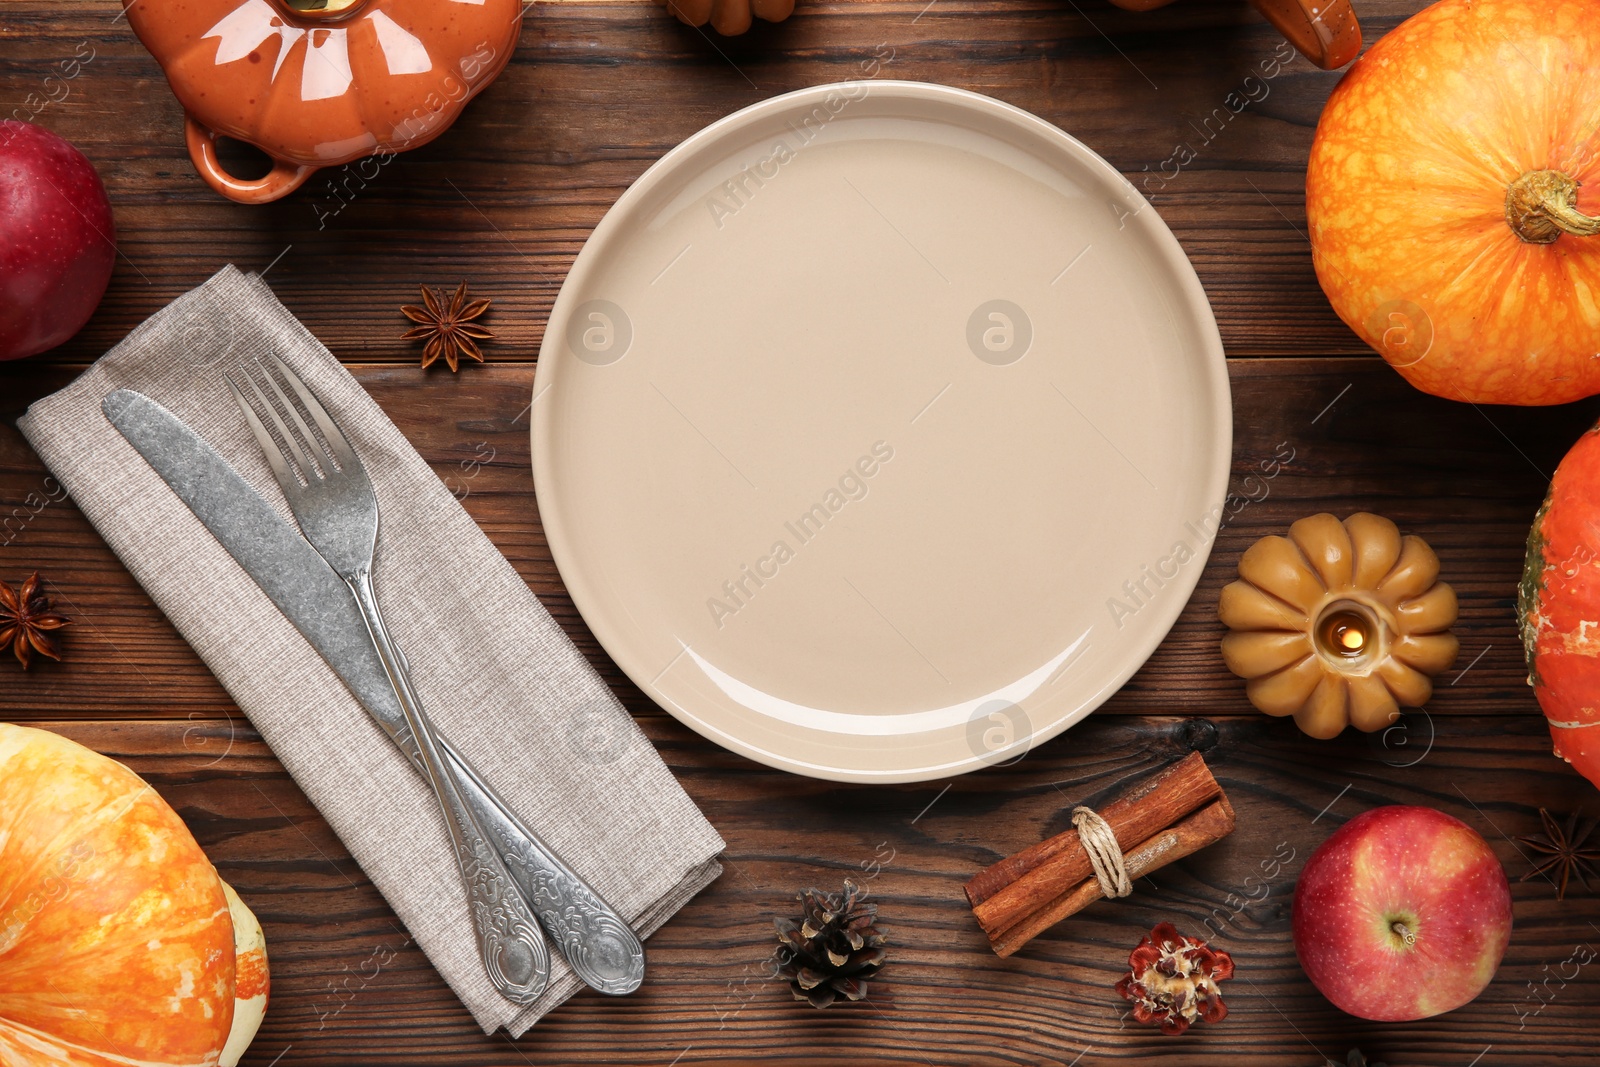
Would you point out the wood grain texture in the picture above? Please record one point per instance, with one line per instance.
(596, 93)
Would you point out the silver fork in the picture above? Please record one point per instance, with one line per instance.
(331, 496)
(597, 942)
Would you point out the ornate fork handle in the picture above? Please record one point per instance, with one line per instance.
(599, 945)
(513, 949)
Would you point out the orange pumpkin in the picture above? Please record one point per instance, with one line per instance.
(321, 86)
(117, 942)
(1450, 199)
(1558, 605)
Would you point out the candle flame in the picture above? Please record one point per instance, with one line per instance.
(1344, 634)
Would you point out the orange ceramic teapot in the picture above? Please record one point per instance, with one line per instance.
(318, 83)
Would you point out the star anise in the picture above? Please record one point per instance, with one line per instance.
(1567, 850)
(26, 621)
(448, 325)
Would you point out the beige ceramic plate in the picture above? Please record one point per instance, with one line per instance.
(881, 431)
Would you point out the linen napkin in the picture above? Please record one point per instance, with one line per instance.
(499, 677)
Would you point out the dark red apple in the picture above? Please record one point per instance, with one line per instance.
(57, 240)
(1402, 914)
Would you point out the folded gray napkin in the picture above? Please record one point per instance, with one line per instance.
(496, 673)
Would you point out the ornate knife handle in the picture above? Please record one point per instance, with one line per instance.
(513, 949)
(597, 942)
(602, 949)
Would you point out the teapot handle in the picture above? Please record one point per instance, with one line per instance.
(1324, 31)
(283, 179)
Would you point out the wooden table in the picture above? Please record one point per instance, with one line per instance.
(595, 94)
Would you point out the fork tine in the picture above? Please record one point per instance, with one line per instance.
(312, 445)
(300, 448)
(269, 447)
(335, 438)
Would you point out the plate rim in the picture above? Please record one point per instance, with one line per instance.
(547, 366)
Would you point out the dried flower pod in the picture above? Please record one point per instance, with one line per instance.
(1340, 623)
(1172, 980)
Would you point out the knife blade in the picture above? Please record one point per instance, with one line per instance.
(598, 944)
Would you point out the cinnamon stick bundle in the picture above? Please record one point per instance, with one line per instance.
(1164, 818)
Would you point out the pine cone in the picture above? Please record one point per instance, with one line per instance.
(1172, 980)
(833, 949)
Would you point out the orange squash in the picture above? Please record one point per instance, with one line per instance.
(1558, 606)
(1450, 196)
(321, 86)
(117, 941)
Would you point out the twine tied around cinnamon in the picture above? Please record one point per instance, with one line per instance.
(1105, 855)
(1163, 817)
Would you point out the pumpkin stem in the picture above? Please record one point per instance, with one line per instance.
(1543, 204)
(326, 10)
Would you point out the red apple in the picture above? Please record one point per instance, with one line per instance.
(57, 240)
(1402, 914)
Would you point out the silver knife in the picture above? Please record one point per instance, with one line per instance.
(600, 947)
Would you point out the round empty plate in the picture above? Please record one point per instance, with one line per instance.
(881, 431)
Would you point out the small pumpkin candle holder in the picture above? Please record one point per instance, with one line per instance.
(1340, 623)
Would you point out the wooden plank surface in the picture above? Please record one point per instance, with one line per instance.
(596, 93)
